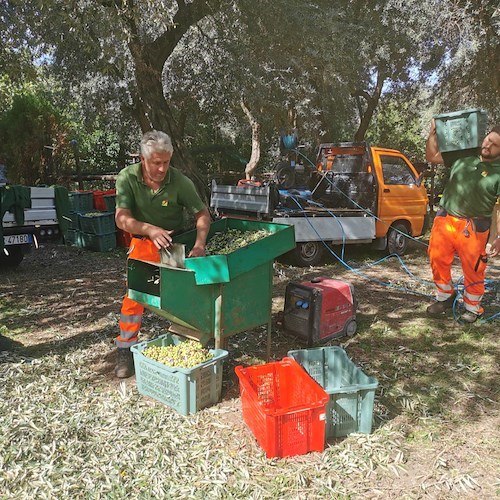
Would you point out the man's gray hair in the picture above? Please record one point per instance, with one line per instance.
(155, 141)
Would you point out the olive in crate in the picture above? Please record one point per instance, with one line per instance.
(97, 222)
(184, 355)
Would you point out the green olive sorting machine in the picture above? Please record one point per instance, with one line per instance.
(216, 296)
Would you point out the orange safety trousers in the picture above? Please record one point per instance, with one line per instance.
(449, 236)
(131, 311)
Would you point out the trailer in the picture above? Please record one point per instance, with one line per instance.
(29, 216)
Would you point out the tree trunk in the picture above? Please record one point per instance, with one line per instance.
(255, 156)
(152, 109)
(371, 104)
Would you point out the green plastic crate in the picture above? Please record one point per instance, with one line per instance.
(110, 202)
(72, 237)
(186, 390)
(351, 391)
(97, 222)
(98, 242)
(73, 220)
(461, 130)
(81, 201)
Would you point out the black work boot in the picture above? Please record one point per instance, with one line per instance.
(438, 308)
(124, 362)
(470, 317)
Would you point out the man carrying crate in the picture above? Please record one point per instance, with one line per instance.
(150, 199)
(462, 223)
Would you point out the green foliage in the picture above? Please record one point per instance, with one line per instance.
(43, 131)
(469, 74)
(397, 124)
(100, 149)
(184, 68)
(7, 90)
(32, 132)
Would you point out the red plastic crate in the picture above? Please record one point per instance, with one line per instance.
(99, 201)
(284, 407)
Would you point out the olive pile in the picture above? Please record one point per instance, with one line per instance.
(183, 355)
(233, 239)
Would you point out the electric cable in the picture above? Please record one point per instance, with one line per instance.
(358, 270)
(352, 269)
(368, 212)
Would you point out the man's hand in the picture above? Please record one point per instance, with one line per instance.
(203, 221)
(197, 251)
(160, 237)
(494, 248)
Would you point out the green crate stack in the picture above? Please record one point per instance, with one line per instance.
(81, 201)
(73, 237)
(98, 242)
(74, 220)
(97, 222)
(98, 231)
(186, 390)
(351, 391)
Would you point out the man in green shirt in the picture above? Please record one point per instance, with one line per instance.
(463, 222)
(150, 199)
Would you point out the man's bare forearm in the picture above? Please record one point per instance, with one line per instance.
(203, 221)
(126, 222)
(432, 153)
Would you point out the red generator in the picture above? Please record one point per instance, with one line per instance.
(320, 310)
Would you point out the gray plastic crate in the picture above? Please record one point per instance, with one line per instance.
(461, 130)
(98, 242)
(110, 202)
(186, 390)
(351, 391)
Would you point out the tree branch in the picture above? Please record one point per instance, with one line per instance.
(188, 15)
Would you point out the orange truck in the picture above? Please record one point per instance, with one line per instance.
(355, 194)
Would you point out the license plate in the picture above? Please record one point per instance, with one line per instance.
(17, 239)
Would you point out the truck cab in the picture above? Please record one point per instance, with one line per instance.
(383, 181)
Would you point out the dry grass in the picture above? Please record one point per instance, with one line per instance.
(69, 430)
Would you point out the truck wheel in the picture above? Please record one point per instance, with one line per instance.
(396, 241)
(14, 258)
(308, 253)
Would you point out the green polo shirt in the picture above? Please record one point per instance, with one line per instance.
(473, 187)
(163, 208)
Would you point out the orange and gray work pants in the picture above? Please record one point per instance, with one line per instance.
(131, 311)
(467, 238)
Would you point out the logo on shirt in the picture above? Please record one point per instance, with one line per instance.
(164, 203)
(484, 173)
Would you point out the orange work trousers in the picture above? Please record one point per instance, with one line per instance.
(131, 311)
(449, 236)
